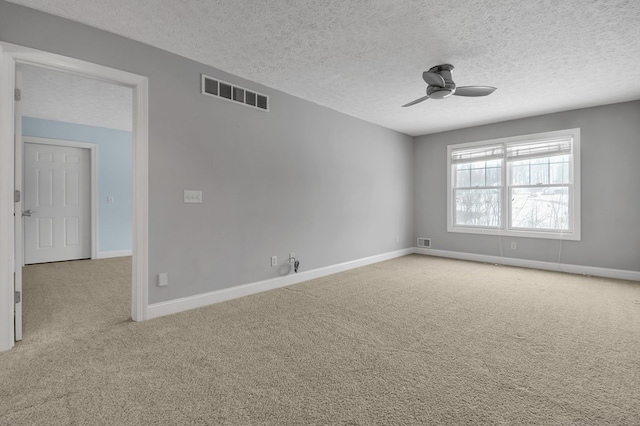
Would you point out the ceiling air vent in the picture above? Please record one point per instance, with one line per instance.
(424, 242)
(233, 93)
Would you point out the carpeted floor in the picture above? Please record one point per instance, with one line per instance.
(414, 340)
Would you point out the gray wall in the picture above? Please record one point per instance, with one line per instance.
(300, 178)
(610, 151)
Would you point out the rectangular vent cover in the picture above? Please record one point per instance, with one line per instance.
(424, 242)
(233, 93)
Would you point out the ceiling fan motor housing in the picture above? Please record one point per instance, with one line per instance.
(449, 88)
(440, 85)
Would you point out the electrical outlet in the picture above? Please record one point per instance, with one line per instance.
(292, 257)
(397, 239)
(274, 261)
(514, 245)
(110, 199)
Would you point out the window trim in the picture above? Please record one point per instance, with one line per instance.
(574, 233)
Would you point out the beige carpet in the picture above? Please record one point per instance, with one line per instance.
(414, 340)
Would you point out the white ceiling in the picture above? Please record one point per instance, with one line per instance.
(59, 96)
(365, 58)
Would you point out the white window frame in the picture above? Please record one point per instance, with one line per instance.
(572, 234)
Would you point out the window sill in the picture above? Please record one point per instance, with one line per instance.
(565, 236)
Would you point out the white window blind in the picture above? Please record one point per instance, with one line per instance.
(482, 153)
(538, 149)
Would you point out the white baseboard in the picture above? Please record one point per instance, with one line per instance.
(156, 310)
(535, 264)
(117, 253)
(160, 309)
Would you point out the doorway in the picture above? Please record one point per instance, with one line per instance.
(60, 185)
(66, 120)
(11, 255)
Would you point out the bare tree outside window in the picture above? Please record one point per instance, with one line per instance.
(540, 193)
(478, 193)
(522, 186)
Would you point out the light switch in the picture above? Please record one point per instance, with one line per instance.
(192, 196)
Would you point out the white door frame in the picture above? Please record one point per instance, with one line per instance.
(18, 230)
(10, 56)
(93, 149)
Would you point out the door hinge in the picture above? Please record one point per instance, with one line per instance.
(16, 196)
(17, 297)
(18, 95)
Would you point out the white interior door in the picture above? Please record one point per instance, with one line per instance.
(57, 203)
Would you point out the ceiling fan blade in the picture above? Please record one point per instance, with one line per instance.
(433, 79)
(417, 101)
(474, 90)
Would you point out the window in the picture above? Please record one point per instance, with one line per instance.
(525, 186)
(478, 185)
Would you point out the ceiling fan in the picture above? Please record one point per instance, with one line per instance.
(440, 85)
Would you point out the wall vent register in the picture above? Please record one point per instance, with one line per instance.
(233, 93)
(424, 242)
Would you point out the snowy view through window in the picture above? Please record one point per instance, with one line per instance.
(539, 193)
(478, 193)
(525, 186)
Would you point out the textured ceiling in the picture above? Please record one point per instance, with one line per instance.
(54, 95)
(365, 58)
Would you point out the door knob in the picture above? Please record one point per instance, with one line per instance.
(27, 212)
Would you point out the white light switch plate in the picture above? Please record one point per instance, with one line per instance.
(192, 196)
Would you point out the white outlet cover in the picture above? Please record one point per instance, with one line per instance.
(191, 196)
(163, 279)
